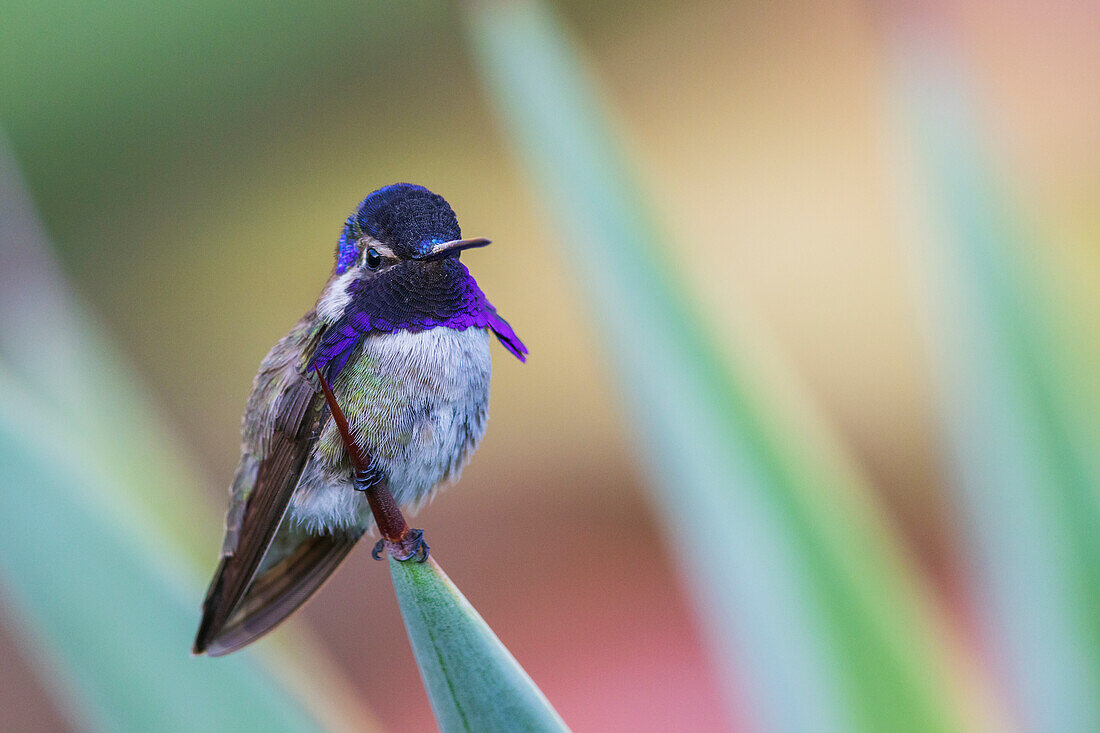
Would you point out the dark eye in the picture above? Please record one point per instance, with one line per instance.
(373, 259)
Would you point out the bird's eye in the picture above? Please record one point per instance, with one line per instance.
(373, 259)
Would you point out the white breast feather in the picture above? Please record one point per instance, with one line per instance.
(446, 374)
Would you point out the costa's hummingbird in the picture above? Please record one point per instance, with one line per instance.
(401, 332)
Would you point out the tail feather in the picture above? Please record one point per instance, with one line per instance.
(274, 593)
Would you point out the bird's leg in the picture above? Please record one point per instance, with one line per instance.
(398, 539)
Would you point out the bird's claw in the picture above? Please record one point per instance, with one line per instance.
(368, 478)
(412, 547)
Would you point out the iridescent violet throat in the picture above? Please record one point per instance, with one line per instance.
(401, 333)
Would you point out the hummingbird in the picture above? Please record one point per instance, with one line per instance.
(401, 333)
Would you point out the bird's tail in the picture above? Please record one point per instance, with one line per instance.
(275, 592)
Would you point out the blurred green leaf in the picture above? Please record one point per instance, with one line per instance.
(110, 605)
(812, 609)
(104, 545)
(473, 682)
(1026, 468)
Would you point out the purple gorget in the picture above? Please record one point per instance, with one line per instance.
(412, 296)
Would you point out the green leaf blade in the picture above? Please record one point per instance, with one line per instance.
(1024, 468)
(113, 610)
(794, 569)
(472, 680)
(104, 542)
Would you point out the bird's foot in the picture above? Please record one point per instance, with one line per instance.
(412, 547)
(368, 478)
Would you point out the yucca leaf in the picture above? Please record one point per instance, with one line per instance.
(1026, 471)
(108, 604)
(103, 542)
(473, 682)
(808, 601)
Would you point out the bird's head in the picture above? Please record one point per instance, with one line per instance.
(397, 263)
(397, 268)
(400, 226)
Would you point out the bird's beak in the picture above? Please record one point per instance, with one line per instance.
(456, 245)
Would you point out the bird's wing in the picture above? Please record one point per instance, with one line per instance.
(280, 589)
(298, 418)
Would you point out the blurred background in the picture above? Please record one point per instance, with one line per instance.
(192, 164)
